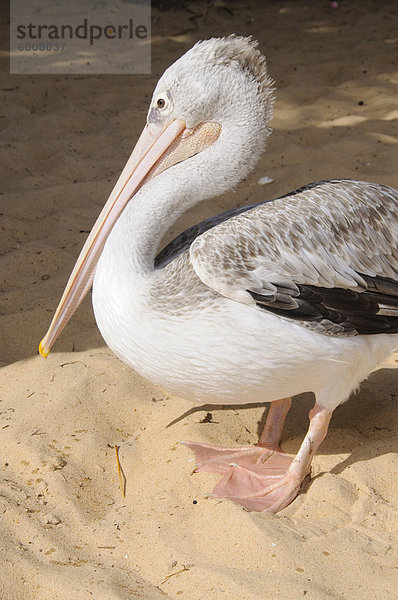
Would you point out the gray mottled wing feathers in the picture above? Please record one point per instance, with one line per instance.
(325, 256)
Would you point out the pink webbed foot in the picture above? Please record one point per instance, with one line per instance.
(256, 478)
(259, 478)
(215, 459)
(258, 489)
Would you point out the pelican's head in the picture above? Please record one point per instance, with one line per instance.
(218, 90)
(217, 80)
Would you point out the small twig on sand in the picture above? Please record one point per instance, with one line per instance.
(122, 477)
(176, 573)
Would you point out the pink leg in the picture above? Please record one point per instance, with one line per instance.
(215, 459)
(263, 480)
(317, 431)
(274, 424)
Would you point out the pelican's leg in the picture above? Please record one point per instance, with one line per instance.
(271, 483)
(272, 432)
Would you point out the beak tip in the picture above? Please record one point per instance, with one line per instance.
(42, 351)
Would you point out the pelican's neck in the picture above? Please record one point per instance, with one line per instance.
(135, 238)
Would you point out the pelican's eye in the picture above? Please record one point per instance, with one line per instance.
(161, 103)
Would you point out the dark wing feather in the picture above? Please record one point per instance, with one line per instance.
(325, 256)
(336, 310)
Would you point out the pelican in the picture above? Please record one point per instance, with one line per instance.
(258, 304)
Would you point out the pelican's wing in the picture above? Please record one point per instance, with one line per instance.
(325, 256)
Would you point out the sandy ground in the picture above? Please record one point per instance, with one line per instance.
(65, 529)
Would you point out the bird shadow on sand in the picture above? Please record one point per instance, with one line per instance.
(363, 427)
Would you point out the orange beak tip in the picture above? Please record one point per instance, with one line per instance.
(43, 353)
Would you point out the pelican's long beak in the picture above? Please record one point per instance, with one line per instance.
(153, 144)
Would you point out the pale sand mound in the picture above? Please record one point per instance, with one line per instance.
(65, 529)
(67, 532)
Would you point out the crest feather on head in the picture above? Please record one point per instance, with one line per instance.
(245, 53)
